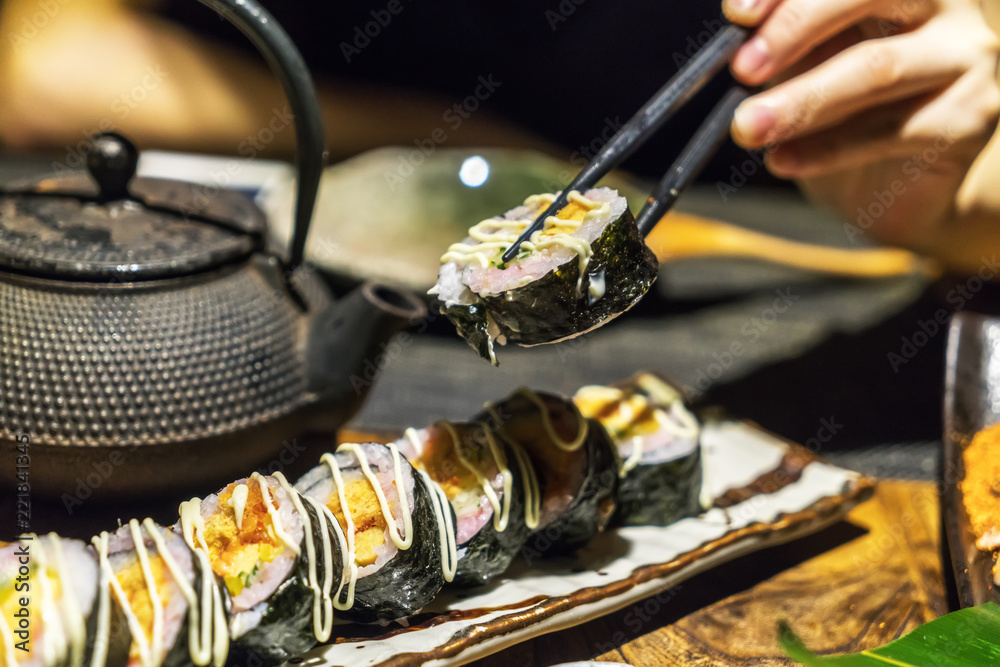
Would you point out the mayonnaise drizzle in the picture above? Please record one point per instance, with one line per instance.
(439, 506)
(74, 615)
(493, 236)
(322, 602)
(446, 527)
(102, 636)
(532, 492)
(193, 532)
(279, 531)
(51, 650)
(156, 650)
(400, 541)
(149, 654)
(581, 430)
(351, 569)
(501, 510)
(208, 639)
(238, 501)
(597, 286)
(411, 435)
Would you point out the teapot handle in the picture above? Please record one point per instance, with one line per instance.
(285, 60)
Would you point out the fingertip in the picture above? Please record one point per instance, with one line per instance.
(743, 12)
(739, 138)
(753, 122)
(750, 64)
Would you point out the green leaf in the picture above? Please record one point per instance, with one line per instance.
(965, 637)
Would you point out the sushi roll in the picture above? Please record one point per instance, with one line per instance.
(51, 603)
(576, 462)
(398, 553)
(154, 580)
(587, 265)
(492, 489)
(657, 439)
(254, 535)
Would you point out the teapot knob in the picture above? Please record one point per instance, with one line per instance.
(111, 161)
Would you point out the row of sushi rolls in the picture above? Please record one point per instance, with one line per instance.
(265, 569)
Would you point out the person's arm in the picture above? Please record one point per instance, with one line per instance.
(88, 65)
(885, 110)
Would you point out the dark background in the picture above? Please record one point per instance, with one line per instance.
(564, 68)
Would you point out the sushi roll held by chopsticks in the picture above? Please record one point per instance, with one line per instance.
(563, 264)
(585, 266)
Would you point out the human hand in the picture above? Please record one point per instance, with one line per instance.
(878, 107)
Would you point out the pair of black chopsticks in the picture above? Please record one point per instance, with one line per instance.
(648, 120)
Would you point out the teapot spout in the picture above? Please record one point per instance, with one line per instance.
(350, 343)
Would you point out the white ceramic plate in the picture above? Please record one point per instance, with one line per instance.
(766, 491)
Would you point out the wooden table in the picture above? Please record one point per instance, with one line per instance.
(855, 585)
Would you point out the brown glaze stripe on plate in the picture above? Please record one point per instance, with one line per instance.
(432, 619)
(790, 526)
(789, 472)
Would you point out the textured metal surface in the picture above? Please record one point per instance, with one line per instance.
(231, 207)
(126, 229)
(120, 365)
(69, 238)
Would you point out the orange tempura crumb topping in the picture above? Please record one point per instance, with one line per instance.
(234, 551)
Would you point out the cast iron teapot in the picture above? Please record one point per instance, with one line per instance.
(151, 339)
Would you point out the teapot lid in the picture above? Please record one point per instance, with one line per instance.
(114, 226)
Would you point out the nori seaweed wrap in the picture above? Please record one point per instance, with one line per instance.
(491, 487)
(576, 463)
(396, 564)
(253, 537)
(657, 440)
(63, 585)
(587, 265)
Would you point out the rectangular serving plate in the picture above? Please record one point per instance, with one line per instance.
(766, 491)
